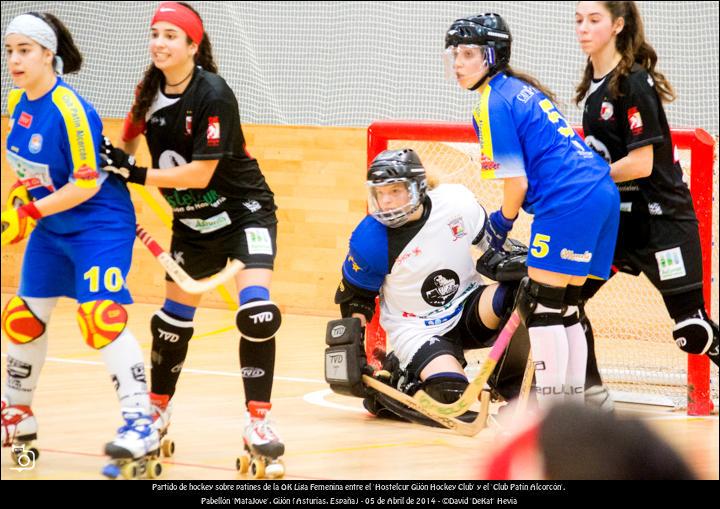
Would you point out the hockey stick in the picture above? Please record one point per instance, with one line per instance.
(467, 429)
(525, 387)
(183, 280)
(473, 390)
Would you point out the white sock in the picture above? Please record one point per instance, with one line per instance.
(549, 347)
(24, 362)
(577, 358)
(124, 360)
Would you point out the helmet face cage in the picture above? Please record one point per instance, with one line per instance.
(451, 53)
(398, 216)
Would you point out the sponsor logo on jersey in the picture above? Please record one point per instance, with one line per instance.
(440, 287)
(35, 144)
(25, 120)
(457, 228)
(416, 251)
(655, 209)
(635, 121)
(606, 110)
(569, 254)
(487, 164)
(188, 123)
(251, 205)
(526, 94)
(213, 131)
(670, 264)
(85, 173)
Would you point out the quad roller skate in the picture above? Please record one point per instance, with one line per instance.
(19, 432)
(263, 447)
(161, 411)
(135, 452)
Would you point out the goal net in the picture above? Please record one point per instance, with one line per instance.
(637, 356)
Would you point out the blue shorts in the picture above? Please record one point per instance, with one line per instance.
(580, 242)
(78, 266)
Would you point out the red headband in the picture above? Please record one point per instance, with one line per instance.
(182, 17)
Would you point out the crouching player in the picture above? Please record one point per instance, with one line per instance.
(414, 250)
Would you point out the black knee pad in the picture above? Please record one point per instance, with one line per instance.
(695, 333)
(445, 389)
(532, 293)
(258, 320)
(169, 332)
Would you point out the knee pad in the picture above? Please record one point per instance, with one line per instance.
(101, 322)
(531, 294)
(695, 333)
(170, 332)
(258, 320)
(445, 387)
(19, 323)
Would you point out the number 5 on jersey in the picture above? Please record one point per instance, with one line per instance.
(113, 279)
(540, 247)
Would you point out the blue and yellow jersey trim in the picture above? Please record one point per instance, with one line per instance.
(13, 99)
(80, 140)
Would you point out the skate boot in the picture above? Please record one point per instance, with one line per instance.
(135, 451)
(161, 407)
(19, 432)
(263, 447)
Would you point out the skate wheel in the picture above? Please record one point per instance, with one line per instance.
(168, 448)
(257, 468)
(154, 469)
(275, 470)
(242, 463)
(111, 471)
(129, 470)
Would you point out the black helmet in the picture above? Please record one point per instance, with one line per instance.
(488, 30)
(394, 166)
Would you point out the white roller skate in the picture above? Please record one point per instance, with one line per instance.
(599, 397)
(161, 407)
(263, 447)
(135, 451)
(19, 432)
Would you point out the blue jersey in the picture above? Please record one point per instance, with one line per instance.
(521, 133)
(54, 141)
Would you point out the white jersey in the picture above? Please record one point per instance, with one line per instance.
(428, 268)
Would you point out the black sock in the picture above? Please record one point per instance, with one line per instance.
(169, 349)
(257, 363)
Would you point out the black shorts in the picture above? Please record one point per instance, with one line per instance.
(666, 251)
(254, 245)
(469, 333)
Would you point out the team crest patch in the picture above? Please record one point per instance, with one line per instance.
(213, 131)
(457, 227)
(635, 121)
(606, 110)
(440, 287)
(670, 264)
(188, 123)
(35, 144)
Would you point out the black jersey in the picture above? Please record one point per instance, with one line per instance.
(614, 127)
(203, 123)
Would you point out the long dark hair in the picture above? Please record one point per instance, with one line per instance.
(633, 48)
(66, 49)
(153, 78)
(530, 80)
